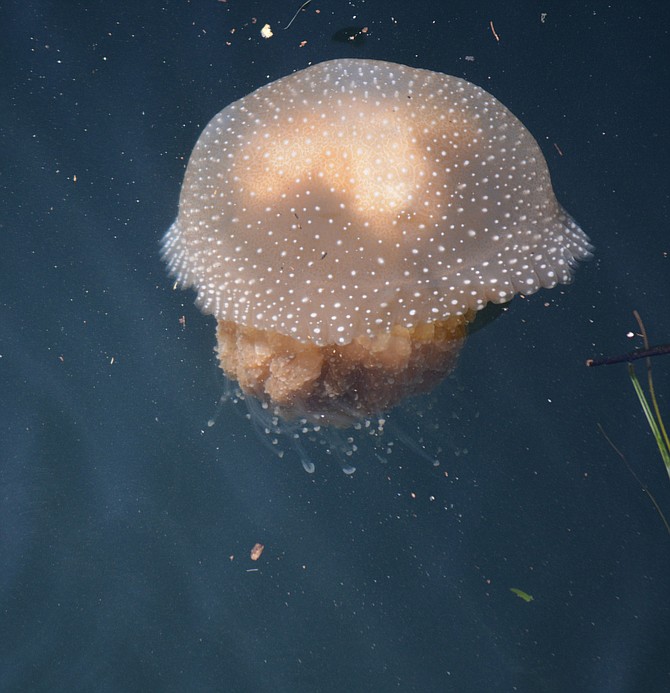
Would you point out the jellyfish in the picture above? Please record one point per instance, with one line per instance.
(345, 224)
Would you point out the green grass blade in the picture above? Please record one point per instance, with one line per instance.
(661, 438)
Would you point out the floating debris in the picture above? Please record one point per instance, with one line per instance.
(355, 35)
(521, 594)
(256, 552)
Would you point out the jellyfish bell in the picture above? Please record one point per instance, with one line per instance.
(344, 225)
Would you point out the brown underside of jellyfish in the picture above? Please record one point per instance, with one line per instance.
(339, 384)
(345, 223)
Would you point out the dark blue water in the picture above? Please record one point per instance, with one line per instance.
(126, 522)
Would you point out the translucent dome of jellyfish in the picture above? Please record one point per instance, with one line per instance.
(345, 223)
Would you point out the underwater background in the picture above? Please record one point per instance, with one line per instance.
(126, 521)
